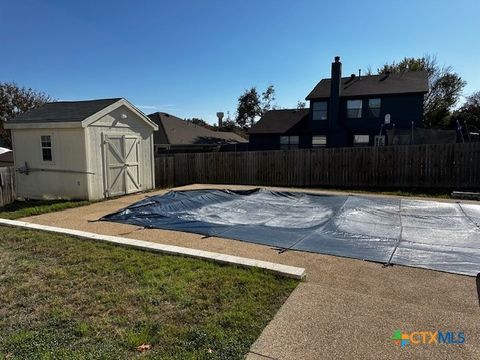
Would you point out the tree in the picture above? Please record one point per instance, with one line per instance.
(15, 100)
(252, 105)
(199, 122)
(268, 96)
(469, 114)
(445, 87)
(301, 104)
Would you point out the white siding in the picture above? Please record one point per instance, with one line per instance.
(77, 169)
(113, 124)
(64, 177)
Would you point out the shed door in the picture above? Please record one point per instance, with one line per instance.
(122, 173)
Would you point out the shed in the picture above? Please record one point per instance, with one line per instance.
(83, 150)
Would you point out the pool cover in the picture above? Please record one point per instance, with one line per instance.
(428, 234)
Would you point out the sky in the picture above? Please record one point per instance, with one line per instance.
(194, 58)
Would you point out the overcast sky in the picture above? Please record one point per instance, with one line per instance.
(194, 58)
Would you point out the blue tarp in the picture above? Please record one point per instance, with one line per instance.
(434, 235)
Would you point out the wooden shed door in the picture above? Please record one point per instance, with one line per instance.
(122, 172)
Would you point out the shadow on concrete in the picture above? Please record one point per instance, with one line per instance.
(478, 288)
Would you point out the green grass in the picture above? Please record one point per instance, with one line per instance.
(19, 209)
(67, 298)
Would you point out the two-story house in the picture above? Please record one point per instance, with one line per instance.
(346, 111)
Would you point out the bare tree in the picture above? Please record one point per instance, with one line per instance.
(301, 104)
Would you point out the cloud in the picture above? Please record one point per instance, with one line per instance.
(158, 107)
(148, 107)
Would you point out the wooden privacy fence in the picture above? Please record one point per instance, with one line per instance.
(7, 185)
(412, 166)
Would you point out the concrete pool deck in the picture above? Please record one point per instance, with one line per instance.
(345, 308)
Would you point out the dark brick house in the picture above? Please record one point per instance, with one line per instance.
(346, 111)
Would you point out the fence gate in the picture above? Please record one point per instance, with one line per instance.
(122, 172)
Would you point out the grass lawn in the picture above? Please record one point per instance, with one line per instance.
(19, 209)
(62, 297)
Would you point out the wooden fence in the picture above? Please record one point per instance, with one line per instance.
(452, 166)
(7, 185)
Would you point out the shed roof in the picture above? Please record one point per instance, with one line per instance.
(180, 132)
(279, 121)
(72, 114)
(63, 111)
(401, 83)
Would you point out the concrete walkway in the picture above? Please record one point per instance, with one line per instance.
(344, 309)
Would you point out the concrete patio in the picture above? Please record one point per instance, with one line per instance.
(344, 308)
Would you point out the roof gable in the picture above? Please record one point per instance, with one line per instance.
(403, 83)
(279, 121)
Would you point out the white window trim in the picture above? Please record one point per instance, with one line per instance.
(319, 145)
(361, 143)
(52, 145)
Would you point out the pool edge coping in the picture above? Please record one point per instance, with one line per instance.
(280, 269)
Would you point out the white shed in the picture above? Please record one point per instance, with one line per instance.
(83, 150)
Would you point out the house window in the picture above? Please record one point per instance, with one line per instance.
(320, 110)
(319, 141)
(46, 144)
(289, 142)
(354, 109)
(374, 108)
(361, 140)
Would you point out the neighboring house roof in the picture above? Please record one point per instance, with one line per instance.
(6, 156)
(64, 111)
(279, 121)
(4, 150)
(180, 132)
(407, 82)
(72, 114)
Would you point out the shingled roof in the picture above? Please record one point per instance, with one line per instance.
(407, 82)
(279, 121)
(63, 111)
(180, 132)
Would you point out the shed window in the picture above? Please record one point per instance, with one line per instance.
(320, 110)
(46, 144)
(319, 141)
(361, 140)
(354, 109)
(374, 108)
(289, 142)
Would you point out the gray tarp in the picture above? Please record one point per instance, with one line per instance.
(428, 234)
